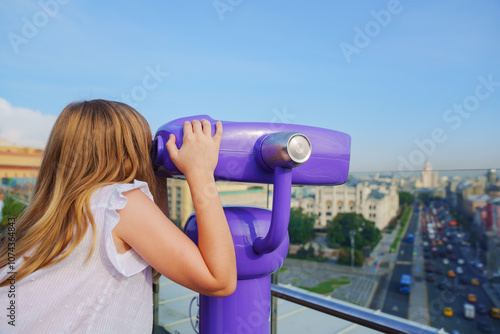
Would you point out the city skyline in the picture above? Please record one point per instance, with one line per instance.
(409, 81)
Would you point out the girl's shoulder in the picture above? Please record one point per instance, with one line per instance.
(113, 194)
(106, 202)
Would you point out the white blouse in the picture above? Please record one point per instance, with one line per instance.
(109, 293)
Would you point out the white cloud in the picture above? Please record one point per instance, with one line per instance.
(24, 127)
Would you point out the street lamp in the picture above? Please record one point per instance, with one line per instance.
(352, 233)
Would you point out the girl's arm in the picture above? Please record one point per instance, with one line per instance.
(210, 268)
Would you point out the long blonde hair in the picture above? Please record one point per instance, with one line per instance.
(92, 144)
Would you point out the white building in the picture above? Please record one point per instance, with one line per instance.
(377, 201)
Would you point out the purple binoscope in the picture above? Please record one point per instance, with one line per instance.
(273, 153)
(247, 152)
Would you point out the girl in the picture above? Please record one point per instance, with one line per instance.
(79, 259)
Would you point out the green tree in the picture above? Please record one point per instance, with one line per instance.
(370, 234)
(12, 209)
(405, 198)
(301, 226)
(337, 230)
(366, 233)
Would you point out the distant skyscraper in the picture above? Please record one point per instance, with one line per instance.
(491, 177)
(428, 178)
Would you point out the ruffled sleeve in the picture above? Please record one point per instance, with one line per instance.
(130, 262)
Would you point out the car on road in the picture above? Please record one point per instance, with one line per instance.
(430, 278)
(446, 262)
(451, 273)
(484, 326)
(471, 298)
(474, 282)
(429, 269)
(442, 286)
(463, 280)
(459, 270)
(482, 309)
(469, 311)
(439, 271)
(495, 312)
(461, 262)
(448, 311)
(405, 284)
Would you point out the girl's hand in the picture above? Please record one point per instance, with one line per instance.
(199, 152)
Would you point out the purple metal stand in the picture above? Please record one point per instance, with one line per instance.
(261, 244)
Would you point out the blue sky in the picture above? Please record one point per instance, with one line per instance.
(408, 80)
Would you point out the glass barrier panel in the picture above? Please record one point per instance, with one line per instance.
(421, 246)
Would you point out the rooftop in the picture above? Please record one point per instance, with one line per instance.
(178, 311)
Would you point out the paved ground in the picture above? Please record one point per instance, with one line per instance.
(364, 280)
(310, 274)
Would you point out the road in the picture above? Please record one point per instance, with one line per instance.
(396, 303)
(430, 300)
(455, 298)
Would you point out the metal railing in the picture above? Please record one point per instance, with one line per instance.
(364, 317)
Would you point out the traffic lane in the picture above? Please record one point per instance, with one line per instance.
(412, 227)
(458, 321)
(395, 302)
(471, 272)
(439, 299)
(406, 248)
(456, 298)
(405, 252)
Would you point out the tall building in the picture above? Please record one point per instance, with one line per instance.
(463, 190)
(19, 162)
(472, 204)
(428, 178)
(231, 193)
(19, 167)
(491, 177)
(493, 209)
(180, 204)
(492, 183)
